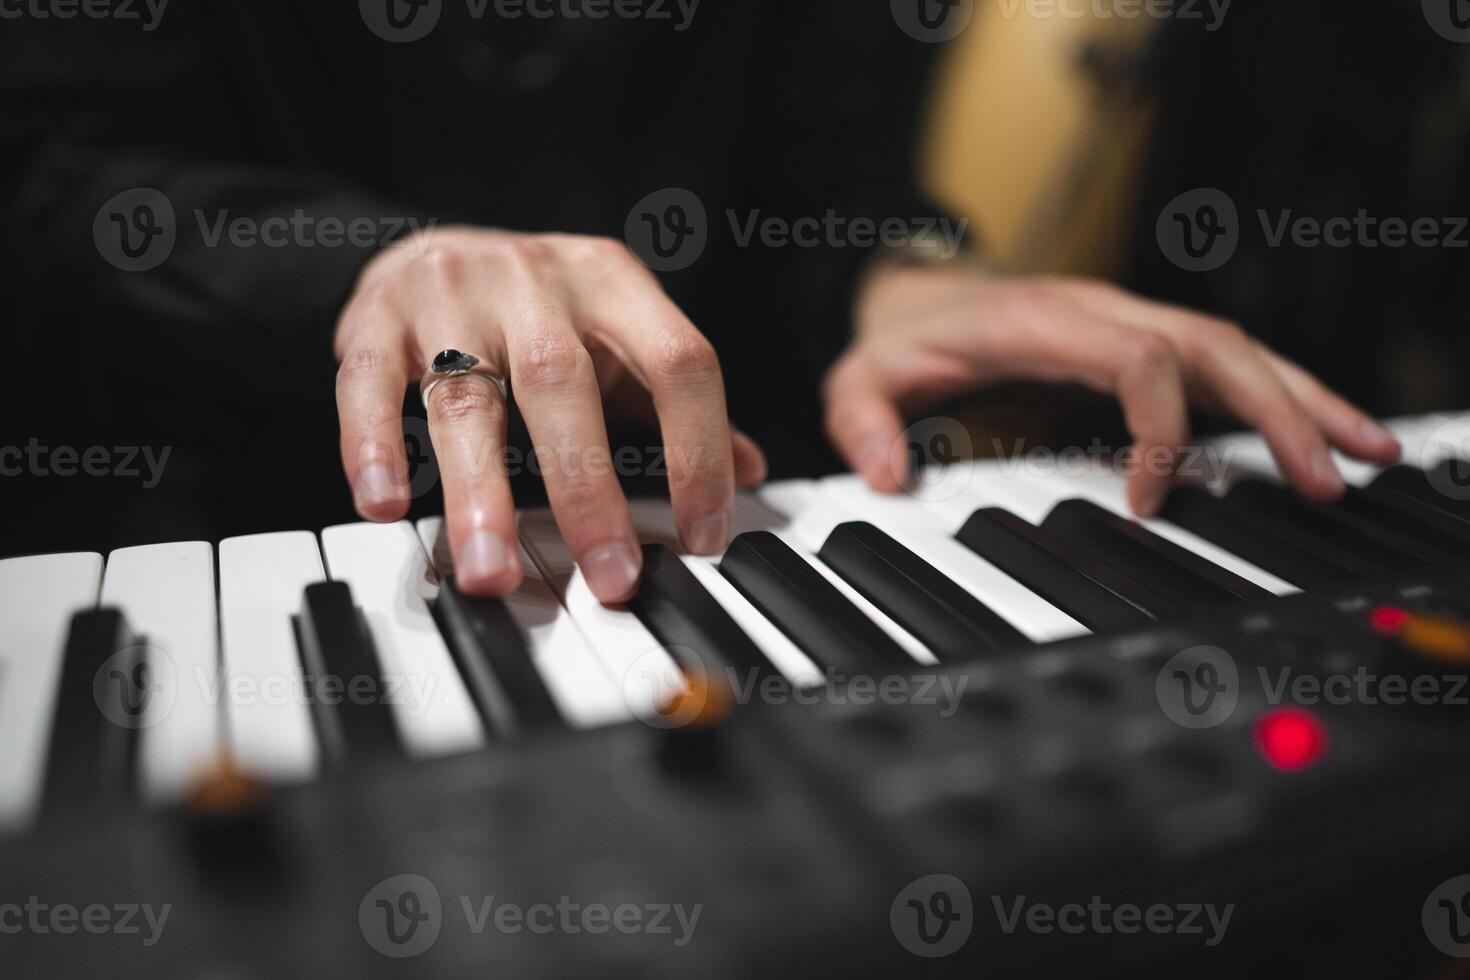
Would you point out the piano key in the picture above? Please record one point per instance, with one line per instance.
(349, 694)
(1109, 491)
(1175, 573)
(495, 662)
(1094, 593)
(41, 594)
(167, 594)
(1408, 516)
(637, 664)
(949, 620)
(389, 574)
(1347, 527)
(101, 701)
(580, 686)
(1278, 512)
(915, 525)
(261, 581)
(1207, 516)
(798, 599)
(692, 626)
(1444, 486)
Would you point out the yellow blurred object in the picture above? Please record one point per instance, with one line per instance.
(1025, 141)
(1438, 639)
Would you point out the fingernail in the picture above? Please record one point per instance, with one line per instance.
(611, 572)
(1326, 471)
(375, 484)
(483, 558)
(709, 535)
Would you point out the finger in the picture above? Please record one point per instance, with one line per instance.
(1222, 366)
(1150, 388)
(370, 387)
(1347, 427)
(467, 424)
(556, 389)
(750, 462)
(864, 424)
(682, 373)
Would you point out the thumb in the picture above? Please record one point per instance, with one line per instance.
(864, 424)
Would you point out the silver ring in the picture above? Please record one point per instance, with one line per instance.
(453, 364)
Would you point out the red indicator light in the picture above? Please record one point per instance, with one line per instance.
(1290, 739)
(1388, 620)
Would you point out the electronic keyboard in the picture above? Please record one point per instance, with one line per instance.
(993, 724)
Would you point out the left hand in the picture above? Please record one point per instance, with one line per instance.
(927, 334)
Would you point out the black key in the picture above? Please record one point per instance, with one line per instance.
(1446, 486)
(496, 663)
(1095, 594)
(1408, 531)
(1410, 516)
(106, 682)
(353, 717)
(1175, 573)
(1206, 515)
(1372, 550)
(809, 609)
(686, 619)
(948, 620)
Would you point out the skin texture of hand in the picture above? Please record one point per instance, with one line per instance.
(577, 325)
(924, 335)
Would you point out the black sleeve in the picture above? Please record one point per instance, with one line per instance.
(99, 108)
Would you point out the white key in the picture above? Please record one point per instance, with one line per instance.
(39, 596)
(911, 524)
(268, 720)
(570, 670)
(166, 591)
(388, 571)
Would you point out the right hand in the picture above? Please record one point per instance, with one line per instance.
(572, 323)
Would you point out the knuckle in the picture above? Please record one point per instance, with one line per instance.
(442, 267)
(1148, 352)
(682, 352)
(364, 361)
(548, 360)
(462, 398)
